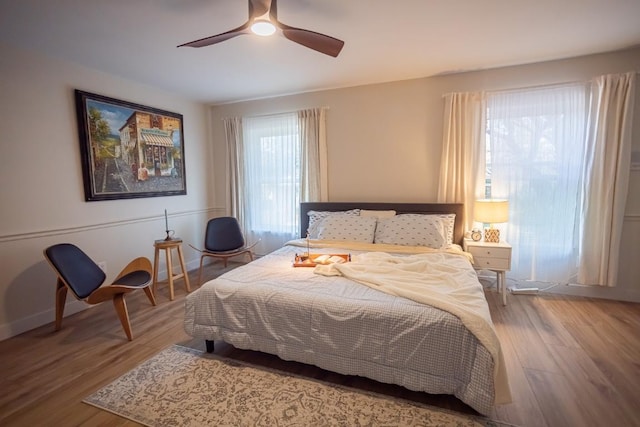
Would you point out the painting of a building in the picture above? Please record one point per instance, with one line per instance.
(151, 141)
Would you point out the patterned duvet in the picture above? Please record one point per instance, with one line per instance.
(342, 326)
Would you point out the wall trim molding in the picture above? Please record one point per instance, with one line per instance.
(632, 217)
(97, 226)
(112, 224)
(635, 160)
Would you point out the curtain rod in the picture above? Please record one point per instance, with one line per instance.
(281, 112)
(540, 86)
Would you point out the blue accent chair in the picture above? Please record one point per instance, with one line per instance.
(77, 272)
(223, 240)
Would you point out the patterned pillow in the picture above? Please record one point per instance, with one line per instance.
(353, 228)
(316, 216)
(412, 230)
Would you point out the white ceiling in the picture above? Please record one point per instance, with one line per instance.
(384, 40)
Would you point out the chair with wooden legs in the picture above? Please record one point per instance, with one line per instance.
(78, 272)
(223, 239)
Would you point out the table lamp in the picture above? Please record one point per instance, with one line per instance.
(491, 211)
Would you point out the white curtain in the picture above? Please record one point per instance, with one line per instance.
(233, 134)
(461, 173)
(313, 163)
(535, 141)
(275, 162)
(271, 169)
(606, 174)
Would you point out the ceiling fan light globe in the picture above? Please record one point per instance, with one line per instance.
(263, 28)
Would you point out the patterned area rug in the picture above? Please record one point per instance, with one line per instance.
(185, 387)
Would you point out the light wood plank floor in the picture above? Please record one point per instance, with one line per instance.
(572, 361)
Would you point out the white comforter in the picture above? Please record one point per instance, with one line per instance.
(429, 279)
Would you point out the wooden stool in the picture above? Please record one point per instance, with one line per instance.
(167, 245)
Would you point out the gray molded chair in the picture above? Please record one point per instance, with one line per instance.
(76, 271)
(223, 240)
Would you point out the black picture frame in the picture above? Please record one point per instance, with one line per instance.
(129, 150)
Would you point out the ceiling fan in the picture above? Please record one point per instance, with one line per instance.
(263, 20)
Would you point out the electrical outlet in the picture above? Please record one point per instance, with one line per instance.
(103, 266)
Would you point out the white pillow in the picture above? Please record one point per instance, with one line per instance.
(448, 221)
(316, 216)
(377, 214)
(412, 230)
(353, 228)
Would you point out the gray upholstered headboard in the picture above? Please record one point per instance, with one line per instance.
(400, 208)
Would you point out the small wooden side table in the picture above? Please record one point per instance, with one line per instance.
(495, 257)
(167, 246)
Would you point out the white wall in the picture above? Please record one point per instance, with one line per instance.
(384, 140)
(42, 197)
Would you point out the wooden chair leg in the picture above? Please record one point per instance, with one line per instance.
(121, 308)
(170, 272)
(155, 270)
(149, 292)
(185, 274)
(61, 298)
(200, 271)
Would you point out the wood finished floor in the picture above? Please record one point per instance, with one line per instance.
(571, 361)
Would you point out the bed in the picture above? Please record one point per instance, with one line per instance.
(403, 311)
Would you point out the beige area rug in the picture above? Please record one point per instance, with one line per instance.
(185, 387)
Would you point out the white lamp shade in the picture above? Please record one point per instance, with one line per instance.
(491, 211)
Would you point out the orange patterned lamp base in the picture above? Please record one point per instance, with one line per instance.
(492, 235)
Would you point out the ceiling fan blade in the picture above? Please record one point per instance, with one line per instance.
(243, 29)
(316, 41)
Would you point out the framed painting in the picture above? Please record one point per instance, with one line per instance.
(129, 150)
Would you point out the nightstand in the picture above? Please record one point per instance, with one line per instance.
(495, 257)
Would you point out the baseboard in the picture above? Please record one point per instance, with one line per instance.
(25, 324)
(524, 291)
(616, 293)
(602, 292)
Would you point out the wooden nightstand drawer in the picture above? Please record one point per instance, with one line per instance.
(491, 263)
(489, 252)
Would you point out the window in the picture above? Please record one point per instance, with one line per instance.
(561, 156)
(276, 162)
(271, 162)
(535, 143)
